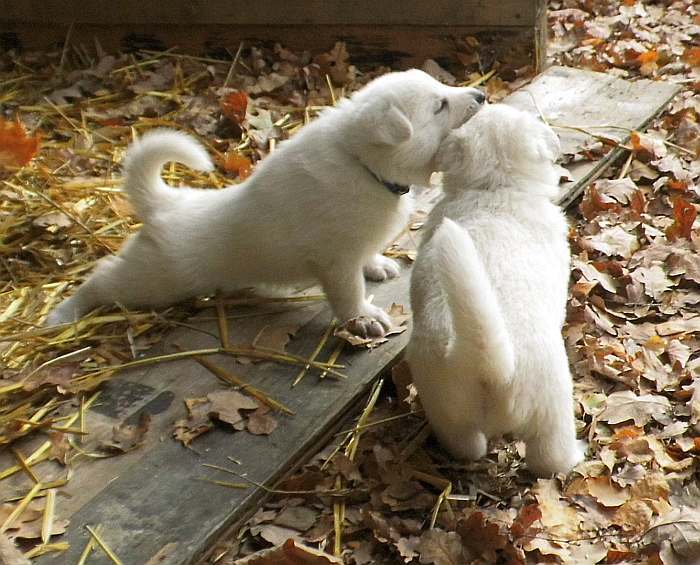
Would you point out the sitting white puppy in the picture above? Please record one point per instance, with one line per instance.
(489, 291)
(317, 210)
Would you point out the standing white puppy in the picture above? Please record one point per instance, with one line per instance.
(489, 291)
(319, 209)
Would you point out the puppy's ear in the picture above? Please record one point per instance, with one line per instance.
(386, 123)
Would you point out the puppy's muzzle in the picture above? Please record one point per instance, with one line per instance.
(470, 102)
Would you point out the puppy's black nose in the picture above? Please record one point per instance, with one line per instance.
(480, 97)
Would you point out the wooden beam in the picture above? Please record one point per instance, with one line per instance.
(506, 13)
(398, 46)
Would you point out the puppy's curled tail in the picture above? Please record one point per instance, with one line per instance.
(482, 345)
(145, 159)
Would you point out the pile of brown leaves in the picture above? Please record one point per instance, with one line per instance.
(632, 335)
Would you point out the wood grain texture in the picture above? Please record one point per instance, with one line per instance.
(150, 501)
(277, 12)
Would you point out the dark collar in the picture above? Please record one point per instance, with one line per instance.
(393, 187)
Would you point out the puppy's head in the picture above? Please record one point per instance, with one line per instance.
(397, 122)
(499, 144)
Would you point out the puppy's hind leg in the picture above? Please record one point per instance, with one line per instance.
(451, 404)
(135, 277)
(554, 451)
(551, 442)
(465, 443)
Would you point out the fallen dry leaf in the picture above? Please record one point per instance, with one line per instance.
(276, 336)
(261, 422)
(60, 448)
(235, 162)
(601, 489)
(625, 405)
(438, 547)
(234, 106)
(9, 554)
(559, 517)
(681, 528)
(290, 553)
(684, 214)
(300, 518)
(227, 404)
(127, 437)
(16, 147)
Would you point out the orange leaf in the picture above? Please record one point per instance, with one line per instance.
(684, 213)
(528, 514)
(638, 202)
(692, 56)
(618, 556)
(636, 141)
(234, 106)
(234, 162)
(679, 185)
(593, 203)
(628, 432)
(16, 148)
(629, 2)
(648, 57)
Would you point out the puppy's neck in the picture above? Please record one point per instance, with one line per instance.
(393, 187)
(500, 180)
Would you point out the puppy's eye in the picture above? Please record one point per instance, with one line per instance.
(443, 106)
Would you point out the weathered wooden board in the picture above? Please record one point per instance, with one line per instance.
(150, 500)
(592, 102)
(394, 32)
(398, 46)
(277, 12)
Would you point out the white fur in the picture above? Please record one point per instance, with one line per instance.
(311, 212)
(488, 295)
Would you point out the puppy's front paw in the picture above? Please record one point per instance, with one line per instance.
(381, 268)
(372, 322)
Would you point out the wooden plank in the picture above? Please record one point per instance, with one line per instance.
(507, 13)
(588, 100)
(398, 46)
(150, 500)
(151, 497)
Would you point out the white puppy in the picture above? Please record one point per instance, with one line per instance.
(489, 292)
(317, 210)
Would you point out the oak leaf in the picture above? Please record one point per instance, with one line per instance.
(625, 405)
(680, 527)
(438, 547)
